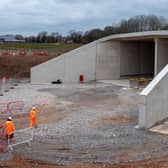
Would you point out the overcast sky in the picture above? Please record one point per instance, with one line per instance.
(32, 16)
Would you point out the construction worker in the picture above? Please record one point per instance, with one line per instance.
(9, 129)
(33, 117)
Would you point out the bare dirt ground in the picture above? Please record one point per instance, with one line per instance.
(89, 126)
(27, 163)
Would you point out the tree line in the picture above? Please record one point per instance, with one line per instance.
(138, 23)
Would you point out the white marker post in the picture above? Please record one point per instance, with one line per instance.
(1, 91)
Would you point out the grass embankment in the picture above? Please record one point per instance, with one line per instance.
(59, 47)
(21, 65)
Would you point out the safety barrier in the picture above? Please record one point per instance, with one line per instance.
(3, 107)
(3, 84)
(22, 53)
(7, 83)
(1, 91)
(15, 107)
(7, 54)
(39, 53)
(12, 107)
(21, 137)
(3, 145)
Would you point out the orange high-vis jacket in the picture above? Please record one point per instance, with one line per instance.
(33, 115)
(9, 127)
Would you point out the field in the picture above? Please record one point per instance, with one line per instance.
(17, 59)
(58, 47)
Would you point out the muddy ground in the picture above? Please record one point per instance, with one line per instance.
(90, 125)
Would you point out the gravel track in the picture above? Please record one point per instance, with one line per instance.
(98, 127)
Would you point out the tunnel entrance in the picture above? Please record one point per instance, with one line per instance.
(137, 59)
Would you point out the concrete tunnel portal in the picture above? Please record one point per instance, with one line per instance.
(143, 57)
(142, 54)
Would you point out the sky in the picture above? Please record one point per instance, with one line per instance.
(28, 17)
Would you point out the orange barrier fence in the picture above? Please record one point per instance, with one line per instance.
(39, 53)
(7, 54)
(22, 53)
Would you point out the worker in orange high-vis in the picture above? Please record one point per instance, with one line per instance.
(33, 117)
(9, 129)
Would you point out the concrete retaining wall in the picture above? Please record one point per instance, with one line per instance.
(68, 66)
(154, 100)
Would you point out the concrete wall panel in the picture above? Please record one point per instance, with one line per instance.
(108, 60)
(129, 58)
(136, 58)
(162, 57)
(147, 50)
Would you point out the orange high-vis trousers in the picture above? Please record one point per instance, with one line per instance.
(33, 123)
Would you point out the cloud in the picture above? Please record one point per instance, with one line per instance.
(33, 16)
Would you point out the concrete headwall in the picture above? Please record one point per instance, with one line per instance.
(154, 100)
(108, 60)
(49, 71)
(68, 66)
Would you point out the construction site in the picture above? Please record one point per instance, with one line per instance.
(79, 125)
(95, 116)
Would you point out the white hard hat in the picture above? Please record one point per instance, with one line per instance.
(9, 118)
(33, 108)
